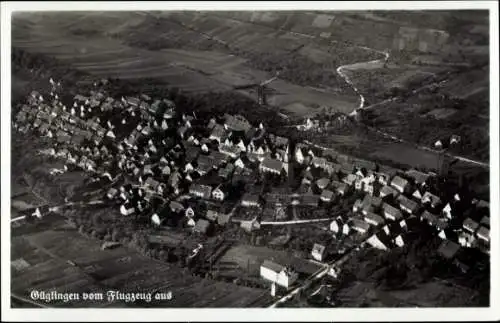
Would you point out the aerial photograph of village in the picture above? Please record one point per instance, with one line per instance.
(256, 159)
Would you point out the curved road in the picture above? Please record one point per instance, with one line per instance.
(378, 64)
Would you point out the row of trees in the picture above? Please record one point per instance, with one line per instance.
(22, 60)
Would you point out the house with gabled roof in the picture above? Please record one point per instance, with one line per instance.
(201, 191)
(127, 209)
(374, 219)
(417, 194)
(371, 202)
(431, 199)
(388, 191)
(430, 218)
(220, 192)
(400, 184)
(218, 158)
(236, 123)
(283, 276)
(230, 150)
(483, 233)
(485, 221)
(326, 196)
(212, 215)
(391, 212)
(323, 183)
(407, 205)
(350, 179)
(299, 155)
(309, 200)
(227, 171)
(418, 177)
(447, 210)
(347, 169)
(470, 225)
(448, 249)
(250, 200)
(359, 225)
(340, 188)
(202, 227)
(336, 225)
(218, 133)
(318, 251)
(270, 165)
(379, 240)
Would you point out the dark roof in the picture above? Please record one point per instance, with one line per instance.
(407, 203)
(470, 224)
(434, 200)
(483, 231)
(448, 249)
(228, 149)
(237, 123)
(323, 182)
(201, 226)
(326, 194)
(222, 219)
(360, 224)
(387, 190)
(374, 217)
(250, 133)
(218, 131)
(319, 248)
(395, 212)
(176, 206)
(339, 185)
(483, 204)
(368, 165)
(398, 181)
(272, 164)
(212, 215)
(372, 200)
(429, 217)
(281, 141)
(249, 197)
(417, 176)
(218, 157)
(485, 220)
(344, 159)
(310, 199)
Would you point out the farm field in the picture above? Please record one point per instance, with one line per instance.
(251, 257)
(196, 71)
(424, 295)
(60, 259)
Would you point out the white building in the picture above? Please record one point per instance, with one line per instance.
(447, 210)
(278, 274)
(218, 194)
(127, 209)
(375, 242)
(318, 252)
(155, 219)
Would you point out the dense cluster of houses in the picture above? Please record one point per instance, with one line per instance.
(172, 161)
(164, 156)
(394, 201)
(338, 120)
(77, 132)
